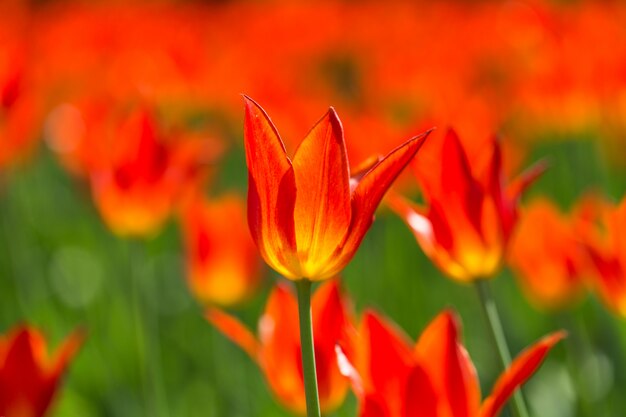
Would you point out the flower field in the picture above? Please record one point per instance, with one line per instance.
(312, 208)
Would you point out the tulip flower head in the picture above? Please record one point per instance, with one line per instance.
(223, 265)
(28, 377)
(306, 215)
(435, 378)
(471, 212)
(277, 350)
(147, 175)
(548, 258)
(20, 109)
(604, 239)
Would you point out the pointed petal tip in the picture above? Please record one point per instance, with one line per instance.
(371, 316)
(451, 316)
(554, 338)
(422, 136)
(334, 119)
(250, 102)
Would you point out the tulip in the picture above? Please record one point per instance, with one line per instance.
(306, 215)
(548, 258)
(147, 175)
(603, 231)
(277, 348)
(223, 265)
(471, 213)
(20, 106)
(29, 378)
(435, 378)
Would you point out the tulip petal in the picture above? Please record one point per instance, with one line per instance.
(413, 216)
(447, 363)
(373, 406)
(322, 210)
(458, 186)
(526, 179)
(420, 398)
(388, 362)
(67, 351)
(329, 324)
(233, 329)
(369, 193)
(281, 361)
(520, 370)
(271, 192)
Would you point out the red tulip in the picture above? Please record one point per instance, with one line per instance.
(307, 216)
(277, 349)
(471, 211)
(548, 258)
(20, 107)
(435, 378)
(223, 265)
(147, 175)
(603, 228)
(29, 378)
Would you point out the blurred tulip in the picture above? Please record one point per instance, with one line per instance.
(308, 216)
(277, 351)
(147, 175)
(548, 258)
(471, 211)
(603, 232)
(20, 109)
(29, 378)
(223, 265)
(436, 378)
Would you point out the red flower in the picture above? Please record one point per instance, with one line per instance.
(147, 174)
(28, 377)
(223, 265)
(277, 350)
(471, 211)
(307, 216)
(20, 107)
(603, 230)
(435, 378)
(547, 256)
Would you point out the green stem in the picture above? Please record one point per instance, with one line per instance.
(494, 324)
(307, 348)
(146, 326)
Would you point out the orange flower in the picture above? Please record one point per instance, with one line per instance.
(603, 231)
(471, 211)
(436, 378)
(277, 351)
(147, 174)
(20, 107)
(308, 216)
(547, 256)
(28, 377)
(223, 265)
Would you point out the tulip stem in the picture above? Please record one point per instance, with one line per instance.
(307, 348)
(494, 324)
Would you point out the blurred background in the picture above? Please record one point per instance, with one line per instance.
(121, 131)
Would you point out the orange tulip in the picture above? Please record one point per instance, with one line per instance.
(307, 216)
(146, 176)
(471, 211)
(223, 265)
(603, 233)
(28, 377)
(20, 107)
(277, 351)
(547, 256)
(436, 378)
